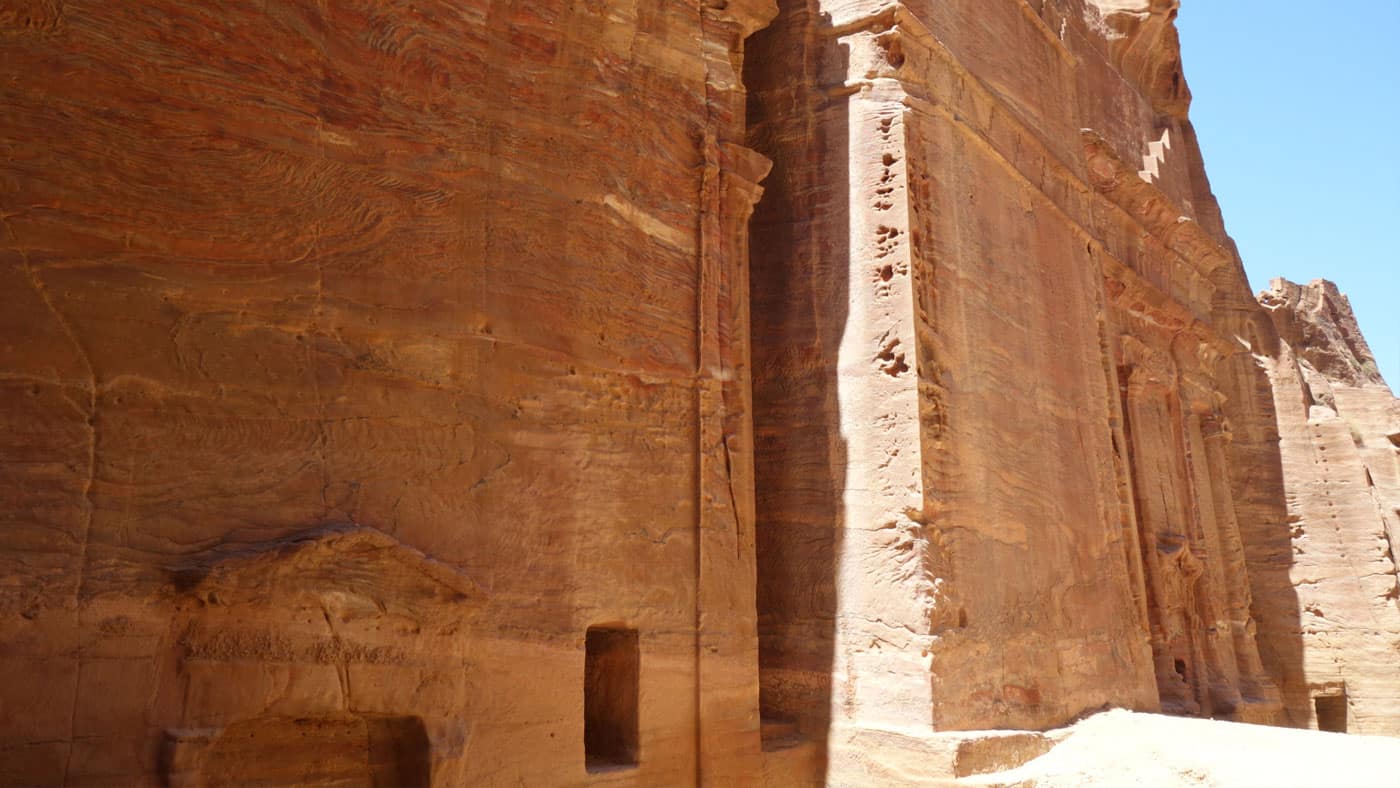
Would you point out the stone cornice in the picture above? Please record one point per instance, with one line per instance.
(1150, 207)
(896, 42)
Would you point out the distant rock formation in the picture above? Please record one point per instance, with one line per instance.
(1339, 426)
(1317, 323)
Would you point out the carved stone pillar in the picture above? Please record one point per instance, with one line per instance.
(726, 610)
(1261, 700)
(1217, 643)
(1170, 567)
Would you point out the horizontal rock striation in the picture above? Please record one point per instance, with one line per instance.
(459, 275)
(1340, 430)
(725, 392)
(1019, 501)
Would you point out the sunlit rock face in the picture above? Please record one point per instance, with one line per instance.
(1340, 430)
(1143, 46)
(651, 393)
(456, 276)
(1009, 441)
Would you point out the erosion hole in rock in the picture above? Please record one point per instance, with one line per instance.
(1331, 712)
(612, 673)
(1180, 666)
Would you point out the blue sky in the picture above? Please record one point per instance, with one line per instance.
(1297, 106)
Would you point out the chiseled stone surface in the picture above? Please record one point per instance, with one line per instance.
(1340, 429)
(457, 274)
(358, 359)
(996, 380)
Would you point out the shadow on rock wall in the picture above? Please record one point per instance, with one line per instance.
(799, 270)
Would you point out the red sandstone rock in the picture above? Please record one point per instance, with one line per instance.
(1336, 416)
(462, 276)
(399, 393)
(1025, 362)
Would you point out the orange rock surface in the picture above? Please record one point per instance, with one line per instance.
(1340, 430)
(452, 281)
(726, 392)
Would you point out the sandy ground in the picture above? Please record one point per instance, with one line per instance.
(1122, 748)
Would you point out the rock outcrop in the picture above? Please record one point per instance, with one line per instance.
(1340, 431)
(400, 393)
(996, 381)
(462, 274)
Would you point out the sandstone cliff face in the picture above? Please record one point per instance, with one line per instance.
(399, 393)
(1340, 430)
(458, 276)
(1021, 347)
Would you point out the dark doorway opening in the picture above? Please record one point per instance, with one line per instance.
(1331, 712)
(612, 677)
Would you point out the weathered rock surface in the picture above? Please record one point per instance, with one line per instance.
(399, 393)
(1340, 430)
(459, 276)
(996, 379)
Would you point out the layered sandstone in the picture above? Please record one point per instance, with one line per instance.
(358, 359)
(1016, 502)
(1340, 430)
(400, 393)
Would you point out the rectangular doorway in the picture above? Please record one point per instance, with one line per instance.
(611, 685)
(1331, 712)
